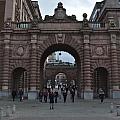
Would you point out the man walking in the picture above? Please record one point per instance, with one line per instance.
(21, 95)
(51, 97)
(101, 94)
(14, 94)
(72, 94)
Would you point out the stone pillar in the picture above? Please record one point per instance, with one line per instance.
(114, 67)
(6, 77)
(88, 93)
(33, 68)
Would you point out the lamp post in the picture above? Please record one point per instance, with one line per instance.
(59, 55)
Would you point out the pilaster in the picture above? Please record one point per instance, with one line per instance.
(33, 68)
(88, 93)
(6, 65)
(114, 67)
(33, 62)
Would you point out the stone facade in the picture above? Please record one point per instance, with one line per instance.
(52, 70)
(95, 47)
(18, 11)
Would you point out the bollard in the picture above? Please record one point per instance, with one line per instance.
(1, 113)
(8, 111)
(111, 108)
(13, 109)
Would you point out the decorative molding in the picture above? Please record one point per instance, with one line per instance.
(113, 38)
(100, 63)
(60, 38)
(20, 51)
(99, 50)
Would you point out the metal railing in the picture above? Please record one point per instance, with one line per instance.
(97, 25)
(21, 25)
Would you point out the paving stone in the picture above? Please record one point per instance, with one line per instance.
(80, 110)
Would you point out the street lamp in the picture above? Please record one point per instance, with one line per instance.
(59, 55)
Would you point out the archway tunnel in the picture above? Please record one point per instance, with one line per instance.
(100, 81)
(65, 48)
(19, 79)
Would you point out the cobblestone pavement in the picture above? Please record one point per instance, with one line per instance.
(80, 110)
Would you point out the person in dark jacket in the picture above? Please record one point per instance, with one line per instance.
(21, 94)
(40, 95)
(14, 93)
(51, 97)
(45, 94)
(101, 95)
(72, 94)
(64, 95)
(56, 95)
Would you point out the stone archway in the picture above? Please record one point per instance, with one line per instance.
(58, 80)
(19, 79)
(61, 47)
(100, 81)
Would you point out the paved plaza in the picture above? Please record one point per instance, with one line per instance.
(79, 110)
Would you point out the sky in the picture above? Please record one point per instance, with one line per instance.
(73, 7)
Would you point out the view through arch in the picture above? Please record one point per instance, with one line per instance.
(54, 65)
(59, 71)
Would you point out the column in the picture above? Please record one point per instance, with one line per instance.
(6, 77)
(88, 93)
(114, 68)
(33, 68)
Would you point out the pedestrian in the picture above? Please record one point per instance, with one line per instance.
(14, 93)
(72, 94)
(56, 95)
(45, 94)
(21, 95)
(64, 95)
(40, 95)
(51, 97)
(101, 95)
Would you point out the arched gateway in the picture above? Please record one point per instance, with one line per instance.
(24, 48)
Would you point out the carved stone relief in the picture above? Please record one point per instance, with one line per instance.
(60, 38)
(19, 51)
(99, 51)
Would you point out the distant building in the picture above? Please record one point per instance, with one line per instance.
(18, 11)
(51, 58)
(96, 11)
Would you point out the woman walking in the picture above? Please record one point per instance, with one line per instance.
(51, 97)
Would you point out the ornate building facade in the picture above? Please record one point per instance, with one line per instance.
(94, 43)
(18, 10)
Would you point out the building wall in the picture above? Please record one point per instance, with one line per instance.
(2, 12)
(93, 46)
(19, 10)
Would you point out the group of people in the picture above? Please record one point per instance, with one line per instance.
(17, 94)
(53, 95)
(65, 92)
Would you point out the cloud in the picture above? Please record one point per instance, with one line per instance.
(76, 7)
